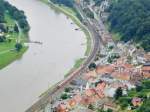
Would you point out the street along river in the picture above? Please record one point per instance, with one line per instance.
(42, 65)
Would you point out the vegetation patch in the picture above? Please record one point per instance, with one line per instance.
(140, 92)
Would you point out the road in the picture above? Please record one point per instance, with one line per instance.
(50, 95)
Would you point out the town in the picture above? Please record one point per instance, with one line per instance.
(115, 81)
(108, 41)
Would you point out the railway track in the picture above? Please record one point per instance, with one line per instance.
(48, 97)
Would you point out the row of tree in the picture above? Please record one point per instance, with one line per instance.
(131, 18)
(1, 11)
(68, 3)
(16, 14)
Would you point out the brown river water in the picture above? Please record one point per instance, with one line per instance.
(41, 66)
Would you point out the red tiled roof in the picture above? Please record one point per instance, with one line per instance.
(118, 84)
(90, 92)
(61, 108)
(147, 56)
(109, 106)
(146, 68)
(121, 75)
(86, 100)
(91, 75)
(104, 69)
(146, 75)
(127, 66)
(72, 102)
(77, 98)
(136, 101)
(101, 86)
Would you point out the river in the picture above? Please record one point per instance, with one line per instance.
(41, 66)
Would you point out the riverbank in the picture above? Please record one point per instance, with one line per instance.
(72, 14)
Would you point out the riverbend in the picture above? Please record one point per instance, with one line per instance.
(42, 65)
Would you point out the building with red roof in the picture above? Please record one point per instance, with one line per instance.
(62, 108)
(136, 101)
(107, 69)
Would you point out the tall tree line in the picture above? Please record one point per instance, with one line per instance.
(16, 14)
(68, 3)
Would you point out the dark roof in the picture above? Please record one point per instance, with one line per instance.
(147, 63)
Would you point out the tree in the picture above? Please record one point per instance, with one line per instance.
(92, 66)
(64, 96)
(139, 88)
(18, 15)
(98, 2)
(131, 18)
(91, 107)
(2, 38)
(88, 13)
(110, 59)
(2, 8)
(23, 24)
(100, 110)
(87, 2)
(67, 89)
(3, 27)
(16, 28)
(109, 110)
(68, 3)
(118, 93)
(18, 46)
(145, 106)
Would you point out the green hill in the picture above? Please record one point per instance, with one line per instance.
(131, 18)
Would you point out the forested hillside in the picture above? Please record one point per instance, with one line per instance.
(131, 18)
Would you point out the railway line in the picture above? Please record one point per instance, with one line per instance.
(48, 97)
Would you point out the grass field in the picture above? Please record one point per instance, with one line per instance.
(7, 49)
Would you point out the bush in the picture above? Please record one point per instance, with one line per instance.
(91, 107)
(64, 96)
(67, 89)
(118, 93)
(68, 3)
(92, 66)
(2, 38)
(18, 46)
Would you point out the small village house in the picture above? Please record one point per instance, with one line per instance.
(146, 70)
(136, 101)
